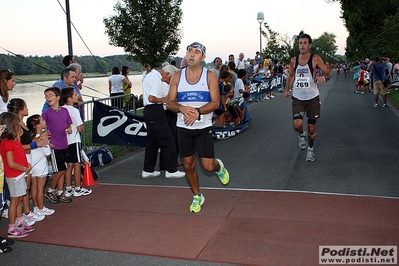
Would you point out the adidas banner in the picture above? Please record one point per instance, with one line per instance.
(116, 127)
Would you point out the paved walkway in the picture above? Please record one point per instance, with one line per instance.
(277, 209)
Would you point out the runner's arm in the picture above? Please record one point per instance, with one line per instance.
(318, 62)
(291, 77)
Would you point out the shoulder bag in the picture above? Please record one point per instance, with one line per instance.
(386, 82)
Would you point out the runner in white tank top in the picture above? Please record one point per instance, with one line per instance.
(305, 99)
(194, 95)
(305, 86)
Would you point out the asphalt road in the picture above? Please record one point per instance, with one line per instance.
(356, 152)
(356, 149)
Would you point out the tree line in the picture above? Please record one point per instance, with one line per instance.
(373, 28)
(284, 47)
(148, 31)
(36, 65)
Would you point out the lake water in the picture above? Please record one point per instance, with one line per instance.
(33, 93)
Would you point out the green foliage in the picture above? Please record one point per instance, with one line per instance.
(40, 67)
(102, 66)
(324, 46)
(275, 47)
(147, 30)
(326, 42)
(373, 28)
(391, 29)
(284, 48)
(394, 97)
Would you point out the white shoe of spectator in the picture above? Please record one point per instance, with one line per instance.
(175, 175)
(146, 175)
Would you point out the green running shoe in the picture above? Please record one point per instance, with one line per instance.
(223, 174)
(198, 200)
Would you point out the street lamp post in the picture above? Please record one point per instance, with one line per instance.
(260, 17)
(69, 33)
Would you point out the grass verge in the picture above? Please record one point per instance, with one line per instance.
(393, 97)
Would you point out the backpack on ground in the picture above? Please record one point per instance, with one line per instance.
(100, 157)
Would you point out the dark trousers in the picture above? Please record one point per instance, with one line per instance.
(171, 118)
(117, 102)
(159, 136)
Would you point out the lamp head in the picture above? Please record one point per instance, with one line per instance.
(260, 17)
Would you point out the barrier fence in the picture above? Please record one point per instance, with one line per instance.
(130, 103)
